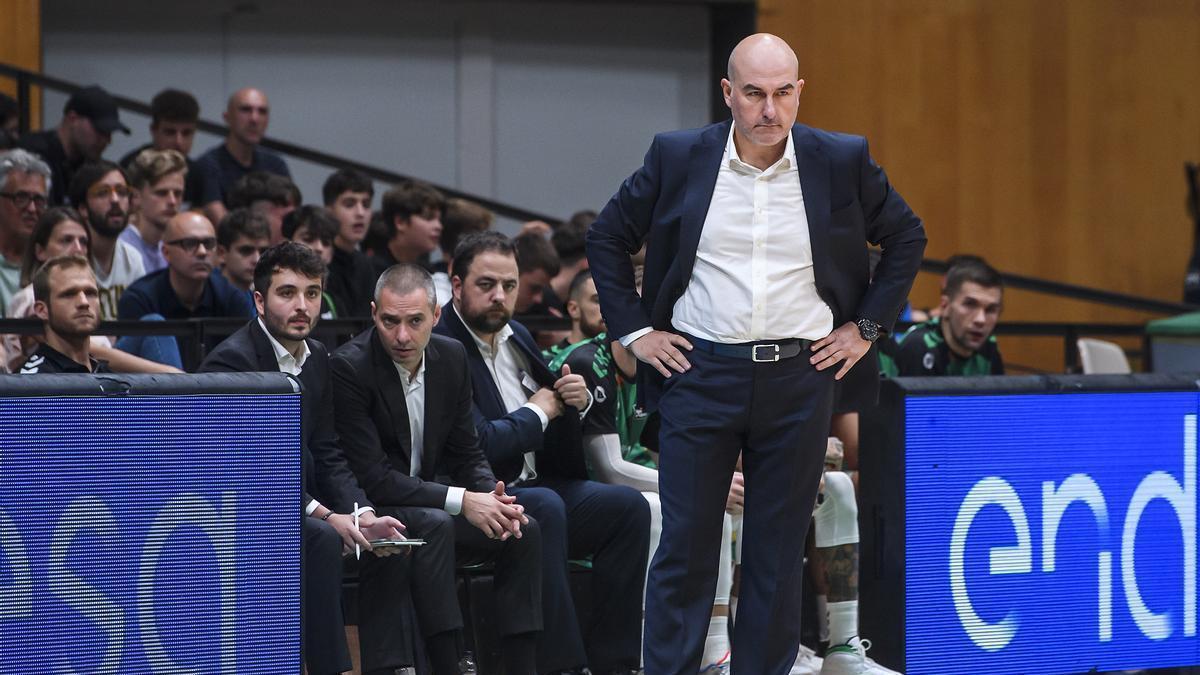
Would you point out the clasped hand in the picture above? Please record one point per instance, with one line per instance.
(496, 514)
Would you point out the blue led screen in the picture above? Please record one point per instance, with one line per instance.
(1050, 533)
(150, 534)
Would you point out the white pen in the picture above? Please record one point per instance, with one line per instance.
(357, 548)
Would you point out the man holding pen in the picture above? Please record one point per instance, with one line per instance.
(287, 282)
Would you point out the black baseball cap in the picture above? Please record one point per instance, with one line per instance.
(95, 104)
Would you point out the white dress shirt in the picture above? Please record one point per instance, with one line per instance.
(414, 401)
(292, 365)
(753, 276)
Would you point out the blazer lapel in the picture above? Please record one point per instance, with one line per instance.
(814, 182)
(479, 371)
(703, 165)
(434, 395)
(264, 354)
(391, 390)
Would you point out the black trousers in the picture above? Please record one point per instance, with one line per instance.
(610, 523)
(324, 640)
(777, 416)
(428, 578)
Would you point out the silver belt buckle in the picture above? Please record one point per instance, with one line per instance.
(769, 359)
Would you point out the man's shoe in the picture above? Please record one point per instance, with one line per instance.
(719, 668)
(847, 659)
(807, 662)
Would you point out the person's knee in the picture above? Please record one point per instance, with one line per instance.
(321, 539)
(839, 492)
(153, 316)
(547, 507)
(835, 522)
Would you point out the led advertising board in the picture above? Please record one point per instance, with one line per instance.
(148, 533)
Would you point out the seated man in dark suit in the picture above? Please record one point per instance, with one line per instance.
(400, 388)
(528, 422)
(287, 283)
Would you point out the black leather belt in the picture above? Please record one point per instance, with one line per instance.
(758, 352)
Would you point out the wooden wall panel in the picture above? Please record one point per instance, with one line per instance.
(1046, 135)
(21, 43)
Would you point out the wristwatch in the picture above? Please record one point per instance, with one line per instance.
(868, 329)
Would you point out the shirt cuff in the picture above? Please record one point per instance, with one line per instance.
(454, 500)
(363, 509)
(628, 339)
(540, 413)
(312, 506)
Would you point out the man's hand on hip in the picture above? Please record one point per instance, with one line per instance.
(844, 345)
(661, 350)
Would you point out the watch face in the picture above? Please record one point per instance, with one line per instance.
(868, 330)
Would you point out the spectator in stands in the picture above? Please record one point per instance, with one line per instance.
(959, 341)
(173, 118)
(538, 264)
(66, 299)
(412, 221)
(10, 119)
(568, 243)
(24, 185)
(461, 218)
(158, 177)
(247, 114)
(528, 420)
(348, 194)
(102, 194)
(316, 228)
(399, 388)
(272, 195)
(242, 237)
(60, 232)
(287, 285)
(188, 287)
(611, 431)
(88, 121)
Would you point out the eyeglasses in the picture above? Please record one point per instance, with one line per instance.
(23, 199)
(190, 244)
(248, 250)
(101, 191)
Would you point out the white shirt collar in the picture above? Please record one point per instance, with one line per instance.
(411, 379)
(282, 355)
(502, 335)
(788, 161)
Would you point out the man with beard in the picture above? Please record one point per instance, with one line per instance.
(158, 176)
(24, 181)
(100, 192)
(527, 418)
(66, 299)
(287, 282)
(88, 121)
(189, 286)
(959, 341)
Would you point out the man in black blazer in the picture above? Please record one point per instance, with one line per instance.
(528, 422)
(756, 298)
(287, 284)
(403, 409)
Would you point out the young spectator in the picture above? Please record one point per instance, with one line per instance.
(187, 288)
(351, 281)
(461, 218)
(568, 243)
(66, 299)
(60, 232)
(396, 371)
(247, 114)
(528, 420)
(88, 121)
(242, 237)
(173, 118)
(538, 264)
(158, 177)
(271, 195)
(102, 195)
(316, 228)
(24, 184)
(287, 292)
(412, 223)
(959, 341)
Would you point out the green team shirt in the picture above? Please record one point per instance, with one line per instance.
(923, 351)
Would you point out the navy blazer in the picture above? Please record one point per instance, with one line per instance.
(847, 199)
(372, 420)
(327, 478)
(505, 436)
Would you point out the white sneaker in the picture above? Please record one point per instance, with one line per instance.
(807, 662)
(847, 659)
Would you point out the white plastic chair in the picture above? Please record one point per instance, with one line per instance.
(1100, 357)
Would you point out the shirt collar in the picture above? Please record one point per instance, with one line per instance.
(484, 348)
(281, 352)
(785, 163)
(411, 379)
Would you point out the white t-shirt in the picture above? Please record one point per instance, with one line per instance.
(127, 268)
